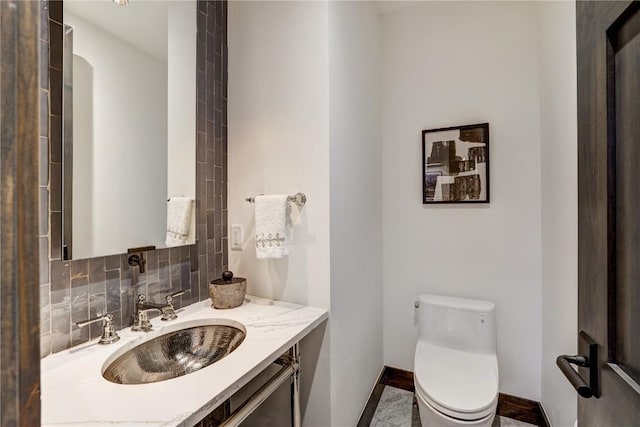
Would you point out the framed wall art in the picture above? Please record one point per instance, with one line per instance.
(455, 164)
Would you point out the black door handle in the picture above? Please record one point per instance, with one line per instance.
(574, 378)
(564, 362)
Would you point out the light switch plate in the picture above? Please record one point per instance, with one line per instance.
(237, 233)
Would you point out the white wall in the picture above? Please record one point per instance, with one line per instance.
(128, 167)
(356, 207)
(456, 63)
(181, 102)
(558, 125)
(279, 143)
(279, 139)
(304, 116)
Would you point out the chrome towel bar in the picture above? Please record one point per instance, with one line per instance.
(299, 199)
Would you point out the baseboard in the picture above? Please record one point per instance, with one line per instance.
(398, 378)
(543, 420)
(518, 408)
(521, 409)
(372, 403)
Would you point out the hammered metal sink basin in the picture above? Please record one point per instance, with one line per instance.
(174, 354)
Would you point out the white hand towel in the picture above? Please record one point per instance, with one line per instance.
(272, 236)
(178, 220)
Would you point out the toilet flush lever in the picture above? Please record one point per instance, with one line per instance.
(416, 312)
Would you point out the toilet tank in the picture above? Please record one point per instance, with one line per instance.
(458, 323)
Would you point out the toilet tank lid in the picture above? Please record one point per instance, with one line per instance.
(457, 303)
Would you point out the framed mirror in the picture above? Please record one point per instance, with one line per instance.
(129, 126)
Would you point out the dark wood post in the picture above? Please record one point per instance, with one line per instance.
(19, 305)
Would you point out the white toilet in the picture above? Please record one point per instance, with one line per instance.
(455, 367)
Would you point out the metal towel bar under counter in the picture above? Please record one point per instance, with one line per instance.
(299, 199)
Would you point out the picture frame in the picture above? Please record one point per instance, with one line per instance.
(455, 164)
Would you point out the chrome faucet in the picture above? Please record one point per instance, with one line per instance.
(144, 307)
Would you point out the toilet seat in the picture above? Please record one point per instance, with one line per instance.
(458, 384)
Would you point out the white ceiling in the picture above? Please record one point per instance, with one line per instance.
(388, 6)
(141, 23)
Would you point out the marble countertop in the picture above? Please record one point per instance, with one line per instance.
(75, 393)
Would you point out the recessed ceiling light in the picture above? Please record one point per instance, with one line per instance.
(121, 2)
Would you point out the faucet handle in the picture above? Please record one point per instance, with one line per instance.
(170, 297)
(109, 334)
(141, 301)
(168, 312)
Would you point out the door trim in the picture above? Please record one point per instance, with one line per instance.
(19, 276)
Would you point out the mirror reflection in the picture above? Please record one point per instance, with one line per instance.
(129, 126)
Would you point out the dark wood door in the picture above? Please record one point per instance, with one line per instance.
(608, 38)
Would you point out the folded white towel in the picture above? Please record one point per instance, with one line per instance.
(272, 229)
(178, 220)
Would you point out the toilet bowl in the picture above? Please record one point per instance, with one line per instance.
(455, 365)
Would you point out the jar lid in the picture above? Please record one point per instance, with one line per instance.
(228, 279)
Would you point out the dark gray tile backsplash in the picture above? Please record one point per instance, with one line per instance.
(75, 290)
